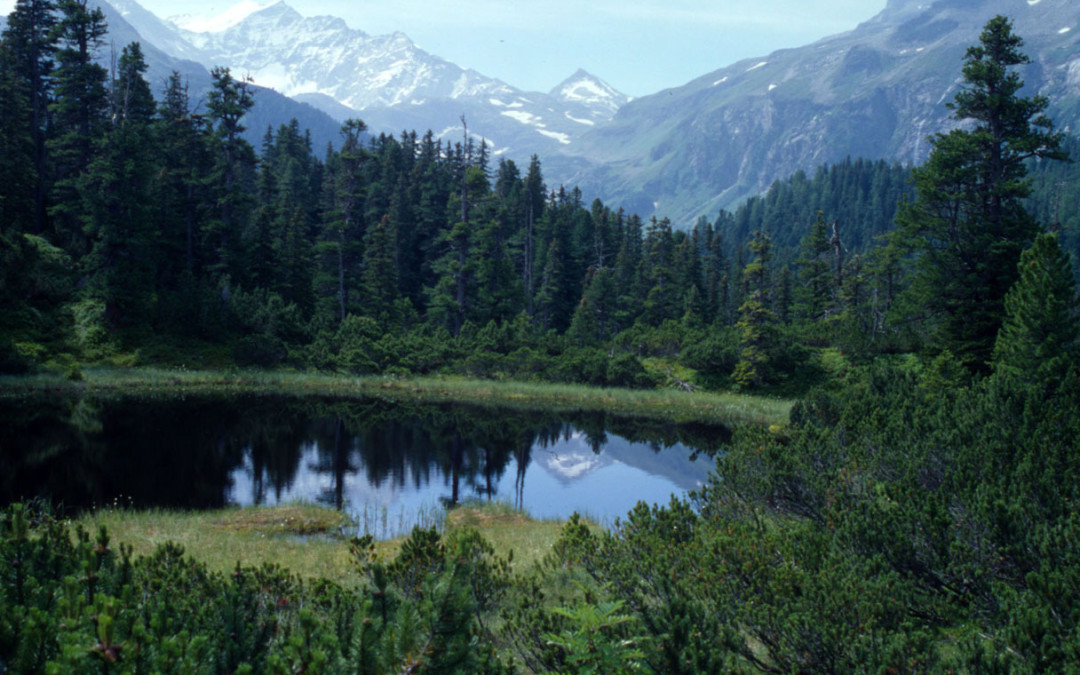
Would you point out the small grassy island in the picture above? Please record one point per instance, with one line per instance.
(893, 483)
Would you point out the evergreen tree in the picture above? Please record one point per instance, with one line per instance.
(182, 153)
(664, 299)
(756, 319)
(814, 297)
(234, 164)
(31, 38)
(968, 225)
(117, 201)
(594, 318)
(18, 176)
(340, 246)
(534, 211)
(379, 277)
(78, 113)
(1038, 339)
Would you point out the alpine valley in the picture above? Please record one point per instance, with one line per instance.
(876, 92)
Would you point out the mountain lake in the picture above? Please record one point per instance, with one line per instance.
(390, 465)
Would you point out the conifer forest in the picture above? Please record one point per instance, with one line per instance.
(919, 512)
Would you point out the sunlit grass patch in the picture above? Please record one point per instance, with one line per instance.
(295, 519)
(726, 408)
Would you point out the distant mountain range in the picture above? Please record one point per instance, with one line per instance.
(386, 80)
(876, 92)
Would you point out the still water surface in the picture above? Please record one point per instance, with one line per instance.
(384, 462)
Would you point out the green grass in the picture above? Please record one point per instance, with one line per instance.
(307, 539)
(303, 538)
(729, 409)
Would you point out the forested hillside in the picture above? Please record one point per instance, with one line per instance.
(138, 229)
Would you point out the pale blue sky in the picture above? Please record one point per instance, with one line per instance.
(637, 46)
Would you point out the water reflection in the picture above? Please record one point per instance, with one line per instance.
(357, 455)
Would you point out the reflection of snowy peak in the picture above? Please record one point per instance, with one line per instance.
(568, 464)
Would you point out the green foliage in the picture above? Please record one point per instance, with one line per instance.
(91, 332)
(968, 225)
(1038, 340)
(591, 644)
(71, 604)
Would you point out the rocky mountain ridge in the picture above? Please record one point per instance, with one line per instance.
(876, 92)
(389, 82)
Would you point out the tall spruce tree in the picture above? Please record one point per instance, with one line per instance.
(78, 113)
(17, 174)
(32, 42)
(116, 198)
(228, 102)
(968, 225)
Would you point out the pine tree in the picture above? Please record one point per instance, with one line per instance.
(815, 293)
(664, 299)
(116, 191)
(234, 160)
(968, 225)
(756, 319)
(1038, 339)
(340, 246)
(379, 280)
(182, 151)
(31, 38)
(18, 176)
(594, 318)
(78, 112)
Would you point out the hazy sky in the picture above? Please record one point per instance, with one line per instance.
(637, 46)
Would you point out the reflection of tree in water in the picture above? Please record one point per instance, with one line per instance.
(181, 452)
(334, 449)
(78, 452)
(273, 433)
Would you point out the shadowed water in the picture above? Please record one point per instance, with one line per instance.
(384, 462)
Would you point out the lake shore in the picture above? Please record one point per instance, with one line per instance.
(728, 409)
(308, 539)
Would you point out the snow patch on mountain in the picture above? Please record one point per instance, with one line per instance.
(524, 117)
(579, 121)
(557, 135)
(215, 23)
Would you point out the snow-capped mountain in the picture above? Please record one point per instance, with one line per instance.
(128, 22)
(386, 80)
(589, 96)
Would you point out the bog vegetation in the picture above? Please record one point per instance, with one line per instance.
(918, 513)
